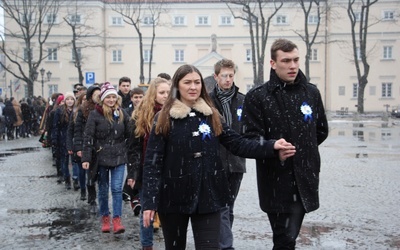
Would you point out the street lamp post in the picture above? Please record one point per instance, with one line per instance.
(42, 71)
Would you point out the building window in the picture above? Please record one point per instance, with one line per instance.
(357, 16)
(342, 90)
(203, 20)
(117, 21)
(146, 55)
(314, 55)
(148, 20)
(281, 19)
(386, 89)
(78, 51)
(313, 19)
(52, 54)
(27, 52)
(225, 20)
(388, 15)
(27, 18)
(179, 55)
(387, 52)
(355, 90)
(53, 88)
(358, 53)
(117, 56)
(75, 19)
(179, 20)
(249, 57)
(51, 18)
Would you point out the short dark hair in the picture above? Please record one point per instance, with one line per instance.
(224, 63)
(124, 79)
(136, 91)
(282, 44)
(165, 76)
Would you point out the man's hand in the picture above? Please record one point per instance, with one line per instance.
(286, 149)
(131, 183)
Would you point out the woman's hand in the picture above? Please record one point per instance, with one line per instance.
(148, 217)
(131, 183)
(85, 165)
(286, 149)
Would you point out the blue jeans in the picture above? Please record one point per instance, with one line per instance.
(75, 170)
(117, 181)
(81, 174)
(146, 234)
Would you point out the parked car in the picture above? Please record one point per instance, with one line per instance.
(396, 111)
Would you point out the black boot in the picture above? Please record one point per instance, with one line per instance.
(68, 183)
(76, 184)
(83, 194)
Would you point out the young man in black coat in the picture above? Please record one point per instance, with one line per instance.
(287, 106)
(124, 88)
(229, 102)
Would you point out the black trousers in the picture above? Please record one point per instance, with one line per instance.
(286, 227)
(205, 230)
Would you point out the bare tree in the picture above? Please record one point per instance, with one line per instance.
(254, 12)
(82, 36)
(309, 37)
(32, 22)
(138, 13)
(359, 45)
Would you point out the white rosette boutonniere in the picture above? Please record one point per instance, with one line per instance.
(205, 130)
(307, 111)
(239, 113)
(116, 114)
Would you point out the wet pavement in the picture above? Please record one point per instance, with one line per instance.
(359, 193)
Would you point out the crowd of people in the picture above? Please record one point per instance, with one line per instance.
(177, 153)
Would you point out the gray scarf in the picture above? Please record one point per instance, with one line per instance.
(225, 98)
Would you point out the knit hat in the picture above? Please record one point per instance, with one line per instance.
(60, 98)
(69, 94)
(107, 89)
(90, 90)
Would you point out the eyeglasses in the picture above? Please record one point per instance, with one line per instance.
(226, 76)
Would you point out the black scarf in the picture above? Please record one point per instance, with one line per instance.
(225, 98)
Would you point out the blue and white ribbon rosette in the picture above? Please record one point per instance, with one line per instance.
(239, 113)
(307, 111)
(205, 130)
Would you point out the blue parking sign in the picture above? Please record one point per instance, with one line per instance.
(90, 78)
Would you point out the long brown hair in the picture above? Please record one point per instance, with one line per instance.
(163, 123)
(144, 113)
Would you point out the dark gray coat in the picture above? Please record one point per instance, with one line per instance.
(273, 111)
(183, 172)
(231, 162)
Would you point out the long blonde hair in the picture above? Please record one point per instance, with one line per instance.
(108, 112)
(144, 114)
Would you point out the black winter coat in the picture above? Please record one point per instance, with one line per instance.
(183, 172)
(59, 130)
(232, 163)
(106, 139)
(9, 113)
(273, 111)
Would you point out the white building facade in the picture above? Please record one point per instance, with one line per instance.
(201, 33)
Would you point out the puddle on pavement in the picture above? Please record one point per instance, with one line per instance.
(67, 222)
(15, 151)
(309, 233)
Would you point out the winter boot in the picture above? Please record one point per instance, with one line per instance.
(83, 194)
(76, 184)
(105, 226)
(118, 227)
(68, 183)
(136, 207)
(156, 223)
